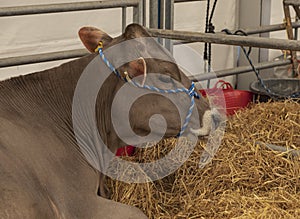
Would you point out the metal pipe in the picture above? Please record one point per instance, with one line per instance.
(66, 7)
(169, 22)
(297, 10)
(258, 30)
(239, 70)
(138, 13)
(292, 2)
(153, 13)
(144, 12)
(169, 14)
(184, 1)
(124, 18)
(46, 57)
(161, 14)
(227, 39)
(261, 29)
(269, 28)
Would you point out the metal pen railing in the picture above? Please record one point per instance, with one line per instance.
(139, 16)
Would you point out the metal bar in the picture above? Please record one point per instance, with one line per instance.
(45, 57)
(138, 13)
(66, 7)
(153, 12)
(144, 13)
(169, 14)
(169, 22)
(161, 14)
(296, 29)
(297, 10)
(161, 18)
(269, 28)
(227, 39)
(292, 2)
(261, 29)
(265, 16)
(183, 1)
(239, 70)
(124, 18)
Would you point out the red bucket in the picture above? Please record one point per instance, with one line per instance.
(234, 99)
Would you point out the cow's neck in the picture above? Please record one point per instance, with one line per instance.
(48, 91)
(48, 95)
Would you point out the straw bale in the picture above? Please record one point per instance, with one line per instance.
(244, 180)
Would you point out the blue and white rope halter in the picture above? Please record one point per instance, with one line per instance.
(190, 92)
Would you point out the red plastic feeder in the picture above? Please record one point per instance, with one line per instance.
(234, 99)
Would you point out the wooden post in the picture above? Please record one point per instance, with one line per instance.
(289, 30)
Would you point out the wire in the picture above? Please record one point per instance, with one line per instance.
(247, 54)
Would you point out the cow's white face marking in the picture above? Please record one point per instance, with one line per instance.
(210, 121)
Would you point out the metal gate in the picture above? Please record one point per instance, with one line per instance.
(161, 15)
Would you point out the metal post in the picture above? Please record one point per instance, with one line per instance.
(153, 13)
(161, 18)
(184, 1)
(144, 13)
(169, 16)
(124, 17)
(296, 29)
(169, 22)
(138, 13)
(265, 15)
(161, 14)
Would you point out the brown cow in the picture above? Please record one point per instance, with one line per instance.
(43, 172)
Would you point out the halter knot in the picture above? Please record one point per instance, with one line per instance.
(192, 91)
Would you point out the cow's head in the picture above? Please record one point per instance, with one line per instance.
(158, 69)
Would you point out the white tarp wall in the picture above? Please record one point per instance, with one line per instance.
(34, 34)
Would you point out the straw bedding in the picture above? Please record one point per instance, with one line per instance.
(244, 180)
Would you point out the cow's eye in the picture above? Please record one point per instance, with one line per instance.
(165, 79)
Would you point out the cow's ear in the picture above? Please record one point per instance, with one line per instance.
(91, 36)
(134, 31)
